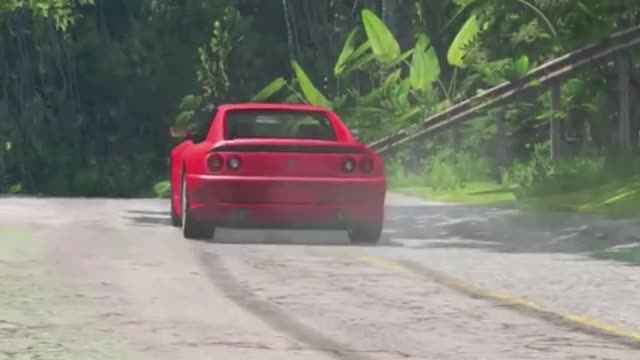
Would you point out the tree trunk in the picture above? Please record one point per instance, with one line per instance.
(623, 63)
(555, 127)
(389, 15)
(635, 128)
(635, 116)
(456, 138)
(501, 145)
(4, 178)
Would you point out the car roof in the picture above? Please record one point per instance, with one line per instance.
(272, 106)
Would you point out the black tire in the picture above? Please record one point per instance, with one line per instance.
(175, 218)
(191, 228)
(365, 233)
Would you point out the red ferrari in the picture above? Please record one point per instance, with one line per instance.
(276, 166)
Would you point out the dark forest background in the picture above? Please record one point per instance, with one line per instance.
(89, 88)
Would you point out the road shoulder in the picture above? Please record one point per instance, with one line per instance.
(43, 315)
(540, 257)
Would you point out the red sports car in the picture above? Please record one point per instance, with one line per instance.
(276, 166)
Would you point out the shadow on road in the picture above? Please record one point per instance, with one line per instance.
(293, 237)
(147, 218)
(149, 212)
(450, 226)
(141, 218)
(505, 230)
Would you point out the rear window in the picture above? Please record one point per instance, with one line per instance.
(288, 124)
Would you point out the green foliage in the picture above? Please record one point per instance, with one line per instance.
(383, 43)
(540, 177)
(162, 189)
(444, 170)
(187, 109)
(311, 93)
(447, 170)
(346, 54)
(271, 89)
(625, 254)
(212, 70)
(464, 37)
(540, 15)
(396, 95)
(63, 12)
(87, 91)
(519, 68)
(425, 68)
(15, 189)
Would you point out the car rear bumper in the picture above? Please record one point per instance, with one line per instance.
(252, 201)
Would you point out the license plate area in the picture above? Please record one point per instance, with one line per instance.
(294, 193)
(286, 191)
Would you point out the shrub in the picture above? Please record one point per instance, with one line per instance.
(162, 189)
(444, 170)
(448, 170)
(539, 176)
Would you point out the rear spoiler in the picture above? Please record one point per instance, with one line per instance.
(291, 148)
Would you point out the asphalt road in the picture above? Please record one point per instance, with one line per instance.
(110, 279)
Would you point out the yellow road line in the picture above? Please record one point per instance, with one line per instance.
(585, 323)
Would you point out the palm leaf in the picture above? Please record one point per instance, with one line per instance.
(521, 66)
(392, 78)
(425, 68)
(311, 93)
(400, 59)
(345, 54)
(358, 59)
(384, 44)
(357, 53)
(401, 92)
(403, 117)
(457, 49)
(269, 90)
(464, 13)
(360, 63)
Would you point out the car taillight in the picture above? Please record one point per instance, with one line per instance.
(234, 163)
(215, 162)
(348, 165)
(366, 165)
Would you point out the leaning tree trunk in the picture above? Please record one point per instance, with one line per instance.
(501, 145)
(623, 63)
(555, 126)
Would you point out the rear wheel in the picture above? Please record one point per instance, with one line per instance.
(192, 228)
(175, 218)
(365, 233)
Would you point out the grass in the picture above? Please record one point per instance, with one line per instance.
(619, 199)
(473, 193)
(628, 254)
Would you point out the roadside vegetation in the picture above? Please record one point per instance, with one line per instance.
(89, 88)
(585, 184)
(629, 255)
